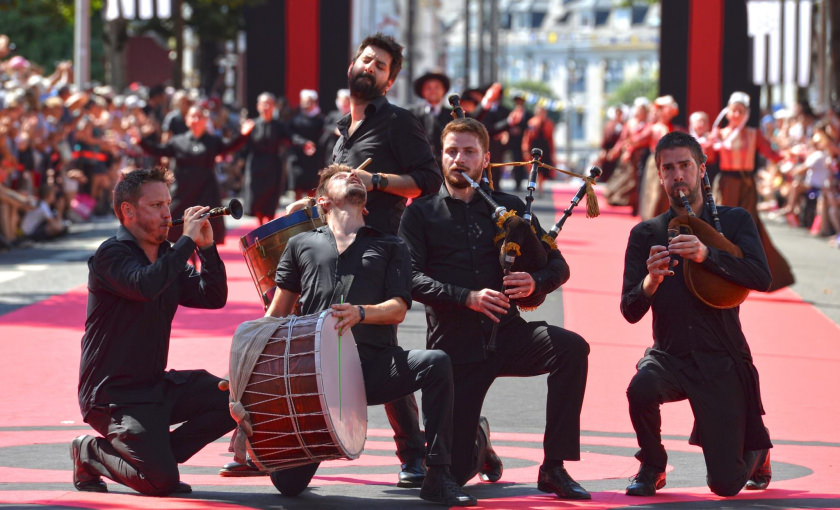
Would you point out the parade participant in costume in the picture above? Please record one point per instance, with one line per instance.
(264, 180)
(433, 112)
(457, 275)
(305, 159)
(195, 154)
(314, 264)
(652, 202)
(136, 283)
(402, 167)
(699, 351)
(736, 146)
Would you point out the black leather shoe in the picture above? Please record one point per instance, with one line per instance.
(491, 471)
(292, 481)
(646, 482)
(84, 480)
(558, 481)
(440, 487)
(182, 488)
(412, 474)
(237, 469)
(760, 478)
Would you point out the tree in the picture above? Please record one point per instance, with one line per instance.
(637, 87)
(42, 30)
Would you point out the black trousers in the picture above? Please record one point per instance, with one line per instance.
(717, 400)
(524, 349)
(137, 448)
(405, 421)
(393, 373)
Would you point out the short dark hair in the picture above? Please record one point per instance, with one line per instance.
(129, 187)
(326, 174)
(468, 125)
(387, 43)
(677, 139)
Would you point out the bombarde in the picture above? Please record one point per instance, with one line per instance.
(233, 209)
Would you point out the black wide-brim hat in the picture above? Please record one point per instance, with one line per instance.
(418, 83)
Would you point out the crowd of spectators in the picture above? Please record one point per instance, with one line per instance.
(802, 189)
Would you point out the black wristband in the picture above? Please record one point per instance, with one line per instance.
(361, 314)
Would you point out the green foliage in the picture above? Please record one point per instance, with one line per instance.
(535, 87)
(42, 30)
(628, 91)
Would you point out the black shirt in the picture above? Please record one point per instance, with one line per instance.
(394, 139)
(453, 252)
(131, 303)
(682, 324)
(311, 266)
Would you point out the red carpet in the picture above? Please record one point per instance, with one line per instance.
(795, 348)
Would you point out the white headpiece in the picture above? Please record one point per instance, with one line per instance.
(740, 97)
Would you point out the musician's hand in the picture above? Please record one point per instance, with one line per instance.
(688, 247)
(658, 264)
(347, 314)
(519, 285)
(247, 127)
(298, 205)
(197, 228)
(491, 303)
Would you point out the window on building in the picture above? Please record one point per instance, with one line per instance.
(601, 17)
(613, 75)
(578, 118)
(577, 76)
(639, 13)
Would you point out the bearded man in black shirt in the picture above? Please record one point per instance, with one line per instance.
(373, 271)
(137, 280)
(699, 352)
(457, 275)
(402, 167)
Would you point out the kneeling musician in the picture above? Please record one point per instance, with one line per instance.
(318, 268)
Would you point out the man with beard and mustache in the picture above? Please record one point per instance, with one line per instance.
(457, 275)
(402, 167)
(699, 352)
(136, 283)
(313, 265)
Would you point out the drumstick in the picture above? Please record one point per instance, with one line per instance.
(364, 164)
(339, 346)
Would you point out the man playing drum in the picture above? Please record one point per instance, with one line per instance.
(318, 268)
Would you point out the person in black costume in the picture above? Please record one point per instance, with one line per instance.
(264, 164)
(699, 352)
(364, 276)
(195, 154)
(457, 275)
(432, 112)
(331, 135)
(136, 283)
(305, 159)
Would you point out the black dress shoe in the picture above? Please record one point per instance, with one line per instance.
(237, 469)
(558, 481)
(182, 488)
(412, 474)
(440, 487)
(491, 470)
(646, 482)
(760, 478)
(84, 480)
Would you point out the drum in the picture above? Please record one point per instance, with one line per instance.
(263, 246)
(306, 396)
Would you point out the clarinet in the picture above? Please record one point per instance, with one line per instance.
(594, 173)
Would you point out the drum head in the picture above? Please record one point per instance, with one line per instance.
(342, 385)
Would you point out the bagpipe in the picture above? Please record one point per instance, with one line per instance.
(711, 288)
(520, 247)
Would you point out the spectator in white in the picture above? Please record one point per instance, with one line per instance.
(41, 223)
